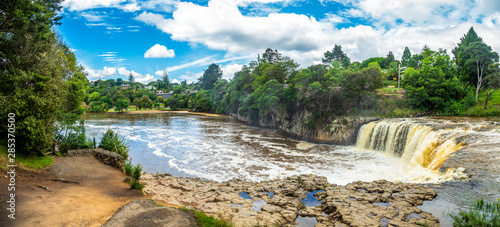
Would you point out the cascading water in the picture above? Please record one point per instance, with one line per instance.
(416, 143)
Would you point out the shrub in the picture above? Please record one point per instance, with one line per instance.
(134, 172)
(112, 142)
(481, 214)
(72, 136)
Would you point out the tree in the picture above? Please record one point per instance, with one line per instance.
(210, 76)
(435, 87)
(336, 55)
(466, 72)
(388, 60)
(131, 78)
(481, 55)
(406, 57)
(358, 85)
(166, 81)
(40, 81)
(493, 81)
(121, 104)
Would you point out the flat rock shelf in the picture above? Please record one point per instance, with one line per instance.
(377, 203)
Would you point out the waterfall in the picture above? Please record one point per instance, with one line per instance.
(415, 143)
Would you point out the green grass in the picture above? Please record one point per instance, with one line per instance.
(493, 105)
(204, 220)
(481, 214)
(25, 162)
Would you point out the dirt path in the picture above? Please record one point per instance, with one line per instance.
(99, 194)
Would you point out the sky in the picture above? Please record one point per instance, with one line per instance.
(114, 38)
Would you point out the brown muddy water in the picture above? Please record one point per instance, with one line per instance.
(459, 157)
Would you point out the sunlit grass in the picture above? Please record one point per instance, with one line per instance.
(25, 162)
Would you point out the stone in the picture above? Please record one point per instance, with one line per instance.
(144, 212)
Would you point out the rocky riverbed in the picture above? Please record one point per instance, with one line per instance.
(282, 202)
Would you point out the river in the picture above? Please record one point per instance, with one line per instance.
(220, 148)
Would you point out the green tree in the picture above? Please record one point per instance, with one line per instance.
(131, 79)
(406, 57)
(165, 81)
(210, 76)
(122, 104)
(435, 87)
(336, 55)
(358, 85)
(466, 72)
(481, 56)
(39, 77)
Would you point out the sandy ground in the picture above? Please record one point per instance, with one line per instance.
(41, 201)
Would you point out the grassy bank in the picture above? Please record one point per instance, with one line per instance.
(32, 163)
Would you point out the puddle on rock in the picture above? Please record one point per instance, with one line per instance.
(306, 221)
(236, 205)
(258, 204)
(381, 204)
(245, 195)
(384, 222)
(311, 200)
(270, 194)
(412, 216)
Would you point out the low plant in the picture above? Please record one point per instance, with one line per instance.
(111, 141)
(134, 172)
(204, 220)
(482, 214)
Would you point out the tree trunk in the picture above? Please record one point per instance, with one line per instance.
(486, 101)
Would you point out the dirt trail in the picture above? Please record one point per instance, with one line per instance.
(91, 202)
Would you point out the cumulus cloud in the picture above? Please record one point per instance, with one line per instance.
(137, 76)
(159, 51)
(395, 24)
(175, 81)
(131, 7)
(229, 70)
(100, 73)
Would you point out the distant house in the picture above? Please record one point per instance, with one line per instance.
(160, 93)
(125, 86)
(91, 82)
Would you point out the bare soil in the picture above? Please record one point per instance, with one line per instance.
(75, 191)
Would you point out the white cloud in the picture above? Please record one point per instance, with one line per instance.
(159, 51)
(92, 16)
(78, 5)
(101, 73)
(395, 24)
(229, 70)
(132, 7)
(203, 61)
(175, 81)
(137, 76)
(190, 77)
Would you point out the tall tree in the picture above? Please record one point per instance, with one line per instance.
(210, 76)
(406, 57)
(466, 72)
(481, 56)
(388, 60)
(336, 55)
(40, 81)
(131, 78)
(166, 81)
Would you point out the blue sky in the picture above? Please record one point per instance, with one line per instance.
(113, 38)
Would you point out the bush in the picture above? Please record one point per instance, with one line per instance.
(481, 214)
(134, 172)
(72, 136)
(112, 142)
